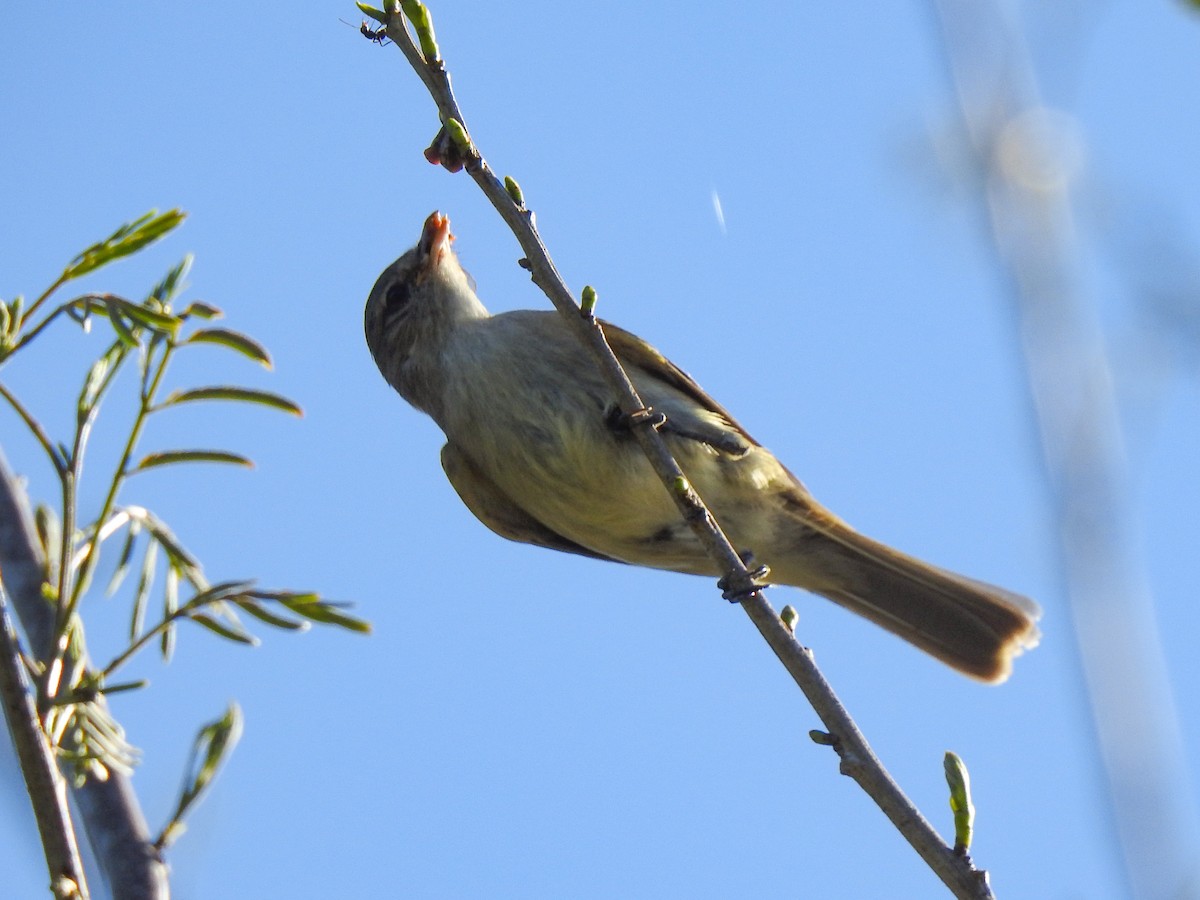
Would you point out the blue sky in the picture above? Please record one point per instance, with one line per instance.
(524, 723)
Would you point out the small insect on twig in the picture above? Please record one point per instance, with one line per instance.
(378, 35)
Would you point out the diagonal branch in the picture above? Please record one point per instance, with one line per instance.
(453, 148)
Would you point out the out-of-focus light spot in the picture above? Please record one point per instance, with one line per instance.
(1041, 148)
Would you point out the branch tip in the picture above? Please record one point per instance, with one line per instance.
(961, 804)
(418, 14)
(371, 12)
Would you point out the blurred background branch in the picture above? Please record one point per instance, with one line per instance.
(111, 815)
(1024, 159)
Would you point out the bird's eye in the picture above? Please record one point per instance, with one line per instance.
(396, 298)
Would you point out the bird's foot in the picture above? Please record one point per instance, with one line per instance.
(625, 422)
(735, 589)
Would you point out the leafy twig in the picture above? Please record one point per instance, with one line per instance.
(243, 595)
(127, 239)
(49, 581)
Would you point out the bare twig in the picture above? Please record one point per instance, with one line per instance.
(453, 148)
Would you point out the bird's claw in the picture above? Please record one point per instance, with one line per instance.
(622, 421)
(755, 580)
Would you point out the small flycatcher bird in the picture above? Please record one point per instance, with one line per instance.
(538, 451)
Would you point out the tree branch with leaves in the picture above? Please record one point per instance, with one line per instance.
(48, 563)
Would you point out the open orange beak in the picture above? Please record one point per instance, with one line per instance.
(435, 239)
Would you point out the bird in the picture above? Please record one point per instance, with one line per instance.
(539, 452)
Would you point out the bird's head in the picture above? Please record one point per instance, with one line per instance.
(417, 301)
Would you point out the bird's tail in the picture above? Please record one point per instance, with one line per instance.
(975, 627)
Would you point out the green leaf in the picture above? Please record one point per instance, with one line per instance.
(167, 457)
(80, 309)
(121, 327)
(377, 14)
(141, 594)
(127, 239)
(229, 631)
(326, 613)
(234, 340)
(156, 321)
(246, 395)
(93, 383)
(263, 615)
(170, 607)
(198, 310)
(182, 563)
(164, 292)
(123, 562)
(214, 742)
(286, 597)
(223, 590)
(99, 378)
(125, 686)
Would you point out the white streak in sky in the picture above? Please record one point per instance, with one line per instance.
(716, 200)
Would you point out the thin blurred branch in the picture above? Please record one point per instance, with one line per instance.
(452, 148)
(115, 826)
(1024, 157)
(45, 784)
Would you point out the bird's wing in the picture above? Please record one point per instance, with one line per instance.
(711, 423)
(497, 511)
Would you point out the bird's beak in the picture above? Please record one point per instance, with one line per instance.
(435, 240)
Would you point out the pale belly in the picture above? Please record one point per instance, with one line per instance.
(532, 417)
(598, 489)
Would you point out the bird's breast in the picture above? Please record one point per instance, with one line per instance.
(531, 415)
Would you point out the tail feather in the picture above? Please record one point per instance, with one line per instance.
(975, 627)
